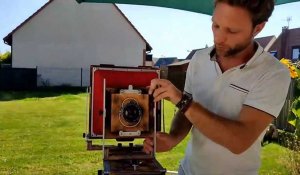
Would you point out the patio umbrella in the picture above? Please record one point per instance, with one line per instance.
(199, 6)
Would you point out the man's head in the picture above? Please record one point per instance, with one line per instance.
(236, 22)
(260, 10)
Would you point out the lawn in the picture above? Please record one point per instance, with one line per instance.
(41, 133)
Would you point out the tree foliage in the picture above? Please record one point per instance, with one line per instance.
(5, 58)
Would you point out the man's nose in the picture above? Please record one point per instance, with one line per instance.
(220, 37)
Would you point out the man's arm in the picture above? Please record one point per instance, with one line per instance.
(180, 127)
(237, 136)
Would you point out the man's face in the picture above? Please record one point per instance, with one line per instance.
(232, 29)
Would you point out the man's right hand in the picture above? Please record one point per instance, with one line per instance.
(164, 142)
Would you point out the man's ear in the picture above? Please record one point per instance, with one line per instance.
(258, 28)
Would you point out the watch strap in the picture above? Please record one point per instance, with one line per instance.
(185, 102)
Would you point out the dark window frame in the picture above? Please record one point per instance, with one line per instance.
(292, 51)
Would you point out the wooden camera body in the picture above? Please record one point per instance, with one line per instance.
(121, 109)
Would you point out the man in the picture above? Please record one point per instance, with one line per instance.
(233, 91)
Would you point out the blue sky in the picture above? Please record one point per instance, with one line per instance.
(170, 32)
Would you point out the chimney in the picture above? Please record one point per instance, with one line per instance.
(149, 61)
(284, 41)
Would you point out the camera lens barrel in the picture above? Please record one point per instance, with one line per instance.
(132, 112)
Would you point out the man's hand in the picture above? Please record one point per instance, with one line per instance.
(164, 142)
(164, 89)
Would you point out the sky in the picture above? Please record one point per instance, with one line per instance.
(170, 32)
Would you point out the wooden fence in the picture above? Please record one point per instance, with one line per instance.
(17, 78)
(281, 121)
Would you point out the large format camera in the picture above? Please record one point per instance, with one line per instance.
(121, 109)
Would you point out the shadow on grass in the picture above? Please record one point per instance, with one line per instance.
(40, 93)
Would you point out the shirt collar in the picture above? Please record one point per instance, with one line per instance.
(259, 51)
(212, 54)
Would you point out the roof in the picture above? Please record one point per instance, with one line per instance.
(191, 54)
(180, 63)
(165, 61)
(294, 30)
(265, 41)
(8, 38)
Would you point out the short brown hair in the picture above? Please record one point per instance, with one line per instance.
(260, 10)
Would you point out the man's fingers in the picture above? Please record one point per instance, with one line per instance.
(148, 141)
(152, 86)
(161, 96)
(155, 83)
(148, 149)
(148, 145)
(159, 91)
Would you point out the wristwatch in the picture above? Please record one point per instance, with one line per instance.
(185, 102)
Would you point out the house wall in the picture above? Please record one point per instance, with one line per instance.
(292, 38)
(67, 35)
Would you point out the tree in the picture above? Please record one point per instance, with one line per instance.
(5, 58)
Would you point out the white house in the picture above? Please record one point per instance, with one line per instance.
(63, 38)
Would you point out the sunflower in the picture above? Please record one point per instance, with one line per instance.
(291, 67)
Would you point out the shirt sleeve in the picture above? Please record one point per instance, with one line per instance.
(188, 77)
(269, 94)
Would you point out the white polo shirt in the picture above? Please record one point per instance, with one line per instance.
(261, 83)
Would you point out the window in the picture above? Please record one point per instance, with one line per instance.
(295, 53)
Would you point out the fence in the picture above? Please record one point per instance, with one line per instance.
(177, 78)
(281, 120)
(17, 78)
(51, 76)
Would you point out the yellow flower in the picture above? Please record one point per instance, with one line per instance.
(293, 74)
(290, 66)
(285, 61)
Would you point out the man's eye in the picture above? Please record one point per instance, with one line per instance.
(232, 32)
(215, 26)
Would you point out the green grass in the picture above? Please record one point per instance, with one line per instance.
(43, 136)
(274, 160)
(41, 133)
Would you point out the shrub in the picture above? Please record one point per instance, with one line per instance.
(292, 142)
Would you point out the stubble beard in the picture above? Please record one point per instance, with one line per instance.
(226, 51)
